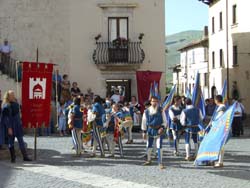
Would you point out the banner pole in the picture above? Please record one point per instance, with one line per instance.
(35, 129)
(35, 141)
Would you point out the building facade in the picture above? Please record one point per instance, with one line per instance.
(193, 60)
(98, 43)
(229, 48)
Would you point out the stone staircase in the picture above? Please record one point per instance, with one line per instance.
(7, 83)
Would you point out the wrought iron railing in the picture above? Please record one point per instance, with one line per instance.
(110, 53)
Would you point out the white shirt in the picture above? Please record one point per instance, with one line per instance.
(183, 115)
(144, 119)
(171, 113)
(239, 109)
(219, 112)
(5, 49)
(116, 98)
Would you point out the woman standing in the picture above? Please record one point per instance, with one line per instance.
(12, 122)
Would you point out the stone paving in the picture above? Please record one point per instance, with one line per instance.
(57, 166)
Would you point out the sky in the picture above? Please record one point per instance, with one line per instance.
(182, 15)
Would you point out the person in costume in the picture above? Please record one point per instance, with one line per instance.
(135, 112)
(190, 118)
(98, 111)
(109, 121)
(76, 116)
(154, 121)
(12, 122)
(175, 125)
(221, 109)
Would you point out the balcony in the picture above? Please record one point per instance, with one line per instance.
(118, 54)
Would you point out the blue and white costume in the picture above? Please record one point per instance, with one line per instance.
(99, 111)
(175, 125)
(109, 124)
(76, 131)
(152, 121)
(190, 118)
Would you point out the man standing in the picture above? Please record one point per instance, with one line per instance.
(190, 118)
(5, 51)
(175, 125)
(154, 122)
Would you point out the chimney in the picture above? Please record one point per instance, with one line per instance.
(205, 32)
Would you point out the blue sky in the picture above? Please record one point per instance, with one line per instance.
(182, 15)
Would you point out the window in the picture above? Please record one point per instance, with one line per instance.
(117, 28)
(205, 79)
(221, 27)
(213, 60)
(235, 55)
(221, 57)
(234, 14)
(212, 24)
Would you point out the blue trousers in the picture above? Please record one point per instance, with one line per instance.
(194, 137)
(11, 141)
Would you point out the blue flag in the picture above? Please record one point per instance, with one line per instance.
(224, 94)
(213, 142)
(197, 98)
(168, 102)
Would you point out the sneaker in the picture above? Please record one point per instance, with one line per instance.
(93, 155)
(129, 142)
(161, 166)
(176, 153)
(27, 159)
(146, 163)
(218, 165)
(189, 158)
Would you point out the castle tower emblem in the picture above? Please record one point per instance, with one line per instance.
(37, 88)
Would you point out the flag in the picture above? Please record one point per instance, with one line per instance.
(156, 90)
(151, 91)
(197, 98)
(214, 141)
(36, 94)
(224, 94)
(188, 94)
(168, 102)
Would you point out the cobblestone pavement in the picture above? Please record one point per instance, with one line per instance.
(57, 166)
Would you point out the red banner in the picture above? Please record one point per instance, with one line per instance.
(36, 94)
(144, 80)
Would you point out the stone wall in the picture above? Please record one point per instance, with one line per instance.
(32, 24)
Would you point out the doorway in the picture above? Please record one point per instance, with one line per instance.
(123, 86)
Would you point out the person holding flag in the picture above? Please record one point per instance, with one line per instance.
(221, 108)
(190, 119)
(175, 125)
(154, 121)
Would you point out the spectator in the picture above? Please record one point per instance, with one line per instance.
(61, 118)
(116, 96)
(5, 51)
(65, 87)
(57, 80)
(75, 90)
(237, 127)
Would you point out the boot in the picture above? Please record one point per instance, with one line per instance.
(12, 155)
(25, 156)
